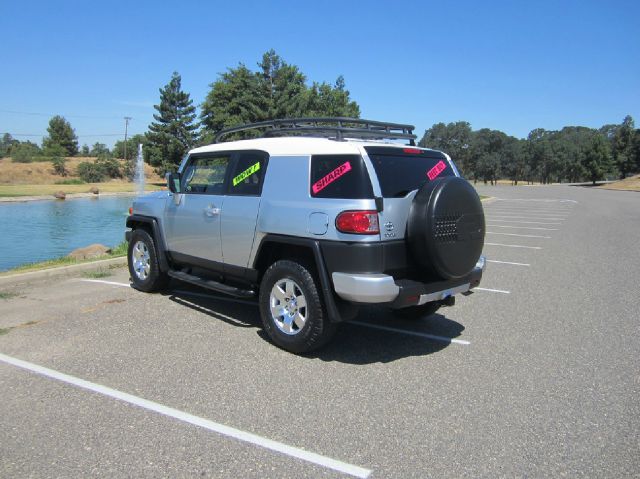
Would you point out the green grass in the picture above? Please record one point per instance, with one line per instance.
(70, 181)
(7, 295)
(4, 330)
(116, 252)
(482, 197)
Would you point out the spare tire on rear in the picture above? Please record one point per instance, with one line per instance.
(446, 227)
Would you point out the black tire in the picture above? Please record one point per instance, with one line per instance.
(308, 326)
(417, 312)
(446, 227)
(141, 253)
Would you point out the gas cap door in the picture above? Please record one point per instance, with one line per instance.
(318, 223)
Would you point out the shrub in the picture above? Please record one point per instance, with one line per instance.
(91, 172)
(24, 152)
(59, 165)
(109, 166)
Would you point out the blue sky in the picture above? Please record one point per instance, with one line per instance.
(513, 66)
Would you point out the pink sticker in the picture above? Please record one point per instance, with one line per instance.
(436, 170)
(322, 183)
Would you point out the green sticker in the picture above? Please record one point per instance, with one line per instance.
(246, 174)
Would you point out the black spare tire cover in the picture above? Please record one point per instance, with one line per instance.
(446, 227)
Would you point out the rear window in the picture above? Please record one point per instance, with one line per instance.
(399, 172)
(339, 176)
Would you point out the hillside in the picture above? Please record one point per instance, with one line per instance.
(628, 184)
(41, 173)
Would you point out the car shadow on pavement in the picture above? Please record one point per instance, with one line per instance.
(353, 343)
(359, 344)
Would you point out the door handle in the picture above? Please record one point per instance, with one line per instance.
(211, 210)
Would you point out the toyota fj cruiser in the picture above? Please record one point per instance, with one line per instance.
(314, 218)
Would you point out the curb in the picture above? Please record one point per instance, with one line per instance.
(61, 271)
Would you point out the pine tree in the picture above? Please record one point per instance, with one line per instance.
(61, 134)
(597, 159)
(174, 132)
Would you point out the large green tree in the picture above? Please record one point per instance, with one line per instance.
(622, 143)
(61, 134)
(452, 138)
(235, 98)
(597, 159)
(276, 90)
(174, 130)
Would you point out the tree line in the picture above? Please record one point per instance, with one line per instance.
(277, 89)
(572, 154)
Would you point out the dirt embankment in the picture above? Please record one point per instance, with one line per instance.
(41, 172)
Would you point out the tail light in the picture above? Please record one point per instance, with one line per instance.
(358, 222)
(130, 210)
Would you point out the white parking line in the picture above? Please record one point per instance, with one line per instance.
(526, 214)
(433, 337)
(522, 210)
(524, 222)
(528, 217)
(125, 285)
(254, 439)
(492, 290)
(513, 245)
(523, 227)
(506, 262)
(513, 234)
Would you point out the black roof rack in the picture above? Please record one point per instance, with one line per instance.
(328, 127)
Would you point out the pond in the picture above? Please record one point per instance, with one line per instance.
(41, 230)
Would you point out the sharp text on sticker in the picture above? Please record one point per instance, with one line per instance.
(322, 183)
(436, 170)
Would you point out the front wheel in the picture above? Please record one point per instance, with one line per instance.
(143, 263)
(291, 308)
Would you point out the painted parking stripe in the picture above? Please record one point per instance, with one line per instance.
(513, 245)
(506, 262)
(228, 431)
(526, 214)
(523, 222)
(433, 337)
(113, 283)
(515, 217)
(524, 227)
(518, 235)
(527, 210)
(492, 290)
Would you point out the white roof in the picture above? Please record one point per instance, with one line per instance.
(296, 146)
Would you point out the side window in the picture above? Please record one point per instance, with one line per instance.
(248, 173)
(206, 175)
(339, 176)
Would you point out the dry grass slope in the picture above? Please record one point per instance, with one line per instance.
(38, 178)
(628, 184)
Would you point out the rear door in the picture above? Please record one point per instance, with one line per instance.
(240, 213)
(401, 172)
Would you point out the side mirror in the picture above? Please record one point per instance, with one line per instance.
(173, 182)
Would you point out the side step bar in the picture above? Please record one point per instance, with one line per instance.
(212, 285)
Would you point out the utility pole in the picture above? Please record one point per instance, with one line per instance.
(126, 127)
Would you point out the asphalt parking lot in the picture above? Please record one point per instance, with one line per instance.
(537, 374)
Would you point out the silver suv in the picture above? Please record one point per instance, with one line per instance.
(314, 218)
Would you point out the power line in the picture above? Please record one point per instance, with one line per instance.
(65, 116)
(79, 136)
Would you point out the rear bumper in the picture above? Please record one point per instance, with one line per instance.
(383, 288)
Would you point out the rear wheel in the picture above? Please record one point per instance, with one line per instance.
(143, 263)
(291, 309)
